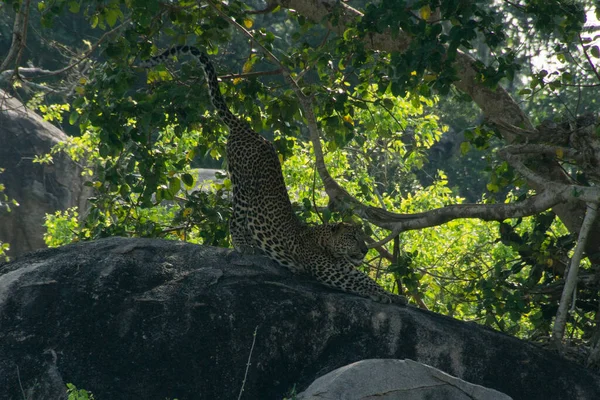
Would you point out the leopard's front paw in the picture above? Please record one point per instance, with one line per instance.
(381, 298)
(399, 299)
(389, 298)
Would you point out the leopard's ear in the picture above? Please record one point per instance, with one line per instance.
(321, 235)
(339, 227)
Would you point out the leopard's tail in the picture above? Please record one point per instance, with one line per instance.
(209, 71)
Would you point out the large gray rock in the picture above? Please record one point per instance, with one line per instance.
(39, 189)
(394, 380)
(155, 319)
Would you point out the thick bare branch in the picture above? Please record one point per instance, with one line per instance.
(24, 74)
(571, 280)
(19, 35)
(487, 212)
(546, 150)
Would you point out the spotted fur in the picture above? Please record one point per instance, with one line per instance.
(263, 218)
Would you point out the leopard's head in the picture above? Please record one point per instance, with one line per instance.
(346, 241)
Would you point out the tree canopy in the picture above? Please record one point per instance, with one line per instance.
(403, 109)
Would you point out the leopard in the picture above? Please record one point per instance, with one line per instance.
(263, 219)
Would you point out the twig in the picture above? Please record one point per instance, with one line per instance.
(175, 229)
(20, 384)
(314, 200)
(248, 363)
(561, 315)
(250, 74)
(517, 6)
(266, 10)
(390, 257)
(588, 58)
(510, 128)
(385, 240)
(309, 67)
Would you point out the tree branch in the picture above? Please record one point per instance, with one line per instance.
(270, 7)
(547, 150)
(250, 74)
(588, 58)
(571, 280)
(19, 35)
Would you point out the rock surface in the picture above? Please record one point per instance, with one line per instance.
(38, 188)
(155, 319)
(394, 380)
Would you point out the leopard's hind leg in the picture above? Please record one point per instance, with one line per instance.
(241, 237)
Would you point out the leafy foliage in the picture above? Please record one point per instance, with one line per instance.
(5, 207)
(142, 133)
(78, 394)
(62, 227)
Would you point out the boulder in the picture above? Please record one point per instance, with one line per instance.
(38, 188)
(394, 380)
(154, 319)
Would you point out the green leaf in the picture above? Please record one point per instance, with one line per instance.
(465, 147)
(349, 33)
(111, 15)
(74, 7)
(492, 187)
(94, 21)
(187, 179)
(124, 190)
(104, 150)
(73, 117)
(174, 185)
